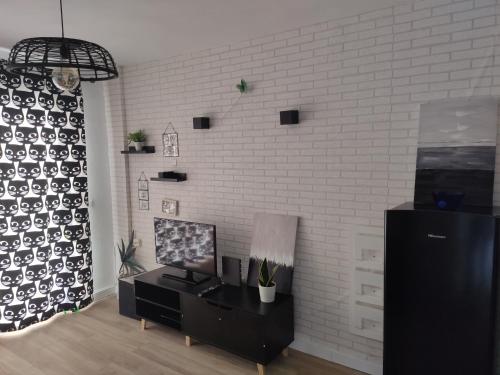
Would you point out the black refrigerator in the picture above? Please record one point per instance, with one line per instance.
(440, 291)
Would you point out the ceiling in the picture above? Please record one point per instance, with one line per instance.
(137, 31)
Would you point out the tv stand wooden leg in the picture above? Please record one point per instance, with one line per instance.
(189, 342)
(143, 324)
(261, 369)
(285, 352)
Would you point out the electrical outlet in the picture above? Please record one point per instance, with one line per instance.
(137, 242)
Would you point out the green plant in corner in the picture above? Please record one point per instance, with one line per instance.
(266, 279)
(137, 136)
(129, 266)
(242, 86)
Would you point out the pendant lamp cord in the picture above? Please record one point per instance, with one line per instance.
(62, 18)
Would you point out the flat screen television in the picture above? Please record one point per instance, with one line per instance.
(188, 246)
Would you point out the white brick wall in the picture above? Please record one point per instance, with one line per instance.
(358, 83)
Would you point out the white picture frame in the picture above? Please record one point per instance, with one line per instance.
(143, 185)
(169, 206)
(143, 205)
(170, 144)
(143, 195)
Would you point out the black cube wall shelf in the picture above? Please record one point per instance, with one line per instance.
(145, 150)
(289, 117)
(201, 123)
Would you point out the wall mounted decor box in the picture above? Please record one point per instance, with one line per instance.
(201, 123)
(289, 117)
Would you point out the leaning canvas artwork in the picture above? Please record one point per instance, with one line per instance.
(456, 149)
(273, 239)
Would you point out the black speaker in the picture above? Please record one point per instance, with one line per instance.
(289, 117)
(231, 271)
(201, 123)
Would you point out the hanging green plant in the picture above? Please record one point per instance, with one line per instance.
(242, 86)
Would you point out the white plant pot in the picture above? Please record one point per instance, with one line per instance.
(138, 146)
(267, 294)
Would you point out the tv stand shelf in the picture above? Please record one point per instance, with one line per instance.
(232, 318)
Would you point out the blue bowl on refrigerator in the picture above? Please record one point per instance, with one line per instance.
(448, 200)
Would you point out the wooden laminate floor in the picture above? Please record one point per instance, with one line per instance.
(99, 341)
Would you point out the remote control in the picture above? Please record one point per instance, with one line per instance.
(209, 289)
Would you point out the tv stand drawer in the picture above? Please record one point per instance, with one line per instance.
(161, 296)
(228, 328)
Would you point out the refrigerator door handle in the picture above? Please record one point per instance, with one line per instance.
(436, 236)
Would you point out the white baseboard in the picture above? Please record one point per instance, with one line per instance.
(104, 293)
(323, 350)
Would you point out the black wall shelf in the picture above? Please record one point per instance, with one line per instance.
(181, 177)
(289, 117)
(201, 123)
(145, 150)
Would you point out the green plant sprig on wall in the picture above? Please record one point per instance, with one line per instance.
(242, 86)
(137, 136)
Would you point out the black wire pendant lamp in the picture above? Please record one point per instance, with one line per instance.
(68, 61)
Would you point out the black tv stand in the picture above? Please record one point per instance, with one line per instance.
(230, 317)
(190, 277)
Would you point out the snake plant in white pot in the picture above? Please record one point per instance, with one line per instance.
(267, 285)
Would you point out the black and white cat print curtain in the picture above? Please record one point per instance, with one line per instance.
(45, 255)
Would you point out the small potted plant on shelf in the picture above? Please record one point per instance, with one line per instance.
(138, 138)
(267, 285)
(129, 267)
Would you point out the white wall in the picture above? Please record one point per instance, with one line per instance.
(100, 210)
(358, 83)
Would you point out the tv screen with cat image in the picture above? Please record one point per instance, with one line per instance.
(187, 245)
